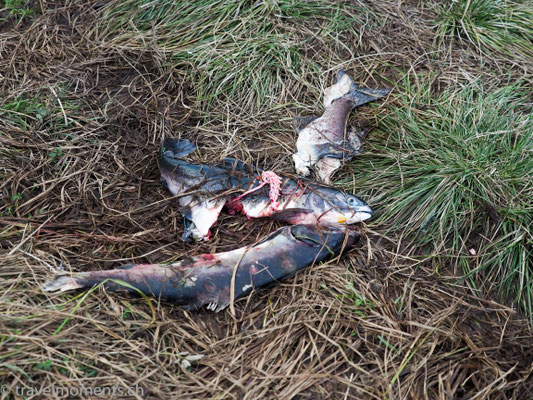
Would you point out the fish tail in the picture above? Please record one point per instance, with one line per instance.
(80, 280)
(157, 280)
(361, 95)
(178, 148)
(64, 284)
(345, 87)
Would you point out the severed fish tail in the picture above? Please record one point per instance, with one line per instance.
(345, 87)
(175, 148)
(63, 284)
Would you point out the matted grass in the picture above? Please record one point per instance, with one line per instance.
(232, 47)
(84, 108)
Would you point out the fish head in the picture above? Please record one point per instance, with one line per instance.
(176, 148)
(337, 207)
(172, 151)
(358, 210)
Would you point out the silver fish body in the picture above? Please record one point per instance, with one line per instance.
(206, 279)
(206, 189)
(325, 142)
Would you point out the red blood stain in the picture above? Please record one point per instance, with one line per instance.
(235, 206)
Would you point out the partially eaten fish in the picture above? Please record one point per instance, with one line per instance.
(205, 189)
(206, 279)
(324, 143)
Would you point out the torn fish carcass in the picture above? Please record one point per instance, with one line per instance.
(325, 142)
(205, 189)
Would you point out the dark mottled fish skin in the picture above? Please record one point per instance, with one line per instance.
(324, 143)
(206, 279)
(208, 178)
(214, 186)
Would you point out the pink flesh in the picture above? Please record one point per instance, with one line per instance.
(272, 179)
(205, 260)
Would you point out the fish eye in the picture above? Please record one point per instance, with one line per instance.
(352, 202)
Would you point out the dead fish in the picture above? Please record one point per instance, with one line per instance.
(206, 279)
(206, 189)
(324, 143)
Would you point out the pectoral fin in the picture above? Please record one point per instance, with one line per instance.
(200, 217)
(330, 150)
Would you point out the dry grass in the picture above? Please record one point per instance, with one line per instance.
(81, 120)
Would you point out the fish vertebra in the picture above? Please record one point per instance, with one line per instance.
(324, 143)
(206, 189)
(206, 279)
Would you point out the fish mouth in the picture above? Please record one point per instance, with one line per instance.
(359, 214)
(346, 216)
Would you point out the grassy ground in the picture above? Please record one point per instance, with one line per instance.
(434, 303)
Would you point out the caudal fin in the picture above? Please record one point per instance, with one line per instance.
(63, 284)
(346, 87)
(177, 148)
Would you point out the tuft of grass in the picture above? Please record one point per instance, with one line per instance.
(42, 109)
(22, 110)
(16, 9)
(232, 47)
(490, 25)
(456, 173)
